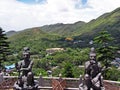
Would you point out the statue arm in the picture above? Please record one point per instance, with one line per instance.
(29, 67)
(16, 86)
(86, 67)
(18, 66)
(100, 67)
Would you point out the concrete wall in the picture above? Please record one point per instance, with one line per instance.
(70, 82)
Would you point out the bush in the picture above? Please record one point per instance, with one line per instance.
(113, 74)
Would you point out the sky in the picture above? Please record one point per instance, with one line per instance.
(22, 14)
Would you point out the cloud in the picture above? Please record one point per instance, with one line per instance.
(16, 15)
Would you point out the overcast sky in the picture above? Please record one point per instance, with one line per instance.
(21, 14)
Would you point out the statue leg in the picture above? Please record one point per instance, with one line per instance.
(30, 79)
(97, 85)
(88, 82)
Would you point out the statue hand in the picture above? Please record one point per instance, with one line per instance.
(21, 69)
(102, 88)
(94, 80)
(30, 87)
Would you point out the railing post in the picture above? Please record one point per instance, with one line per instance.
(41, 80)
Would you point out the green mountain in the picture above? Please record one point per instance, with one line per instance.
(63, 29)
(34, 38)
(109, 21)
(10, 33)
(54, 35)
(106, 21)
(87, 31)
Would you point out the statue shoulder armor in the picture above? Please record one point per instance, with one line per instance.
(99, 64)
(87, 64)
(20, 62)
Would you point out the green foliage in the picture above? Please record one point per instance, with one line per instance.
(106, 52)
(34, 38)
(67, 71)
(79, 56)
(43, 63)
(77, 71)
(39, 71)
(4, 47)
(56, 72)
(57, 61)
(104, 49)
(103, 39)
(12, 59)
(113, 74)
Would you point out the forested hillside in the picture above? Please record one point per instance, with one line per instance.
(63, 29)
(109, 22)
(34, 38)
(54, 35)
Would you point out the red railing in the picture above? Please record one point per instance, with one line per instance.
(7, 84)
(58, 85)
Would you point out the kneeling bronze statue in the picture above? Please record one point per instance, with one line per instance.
(92, 79)
(25, 78)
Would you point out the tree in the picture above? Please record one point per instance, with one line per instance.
(68, 72)
(4, 47)
(104, 48)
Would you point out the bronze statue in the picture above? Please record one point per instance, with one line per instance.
(92, 78)
(26, 78)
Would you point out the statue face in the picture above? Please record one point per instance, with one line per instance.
(26, 56)
(92, 56)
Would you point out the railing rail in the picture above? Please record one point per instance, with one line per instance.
(71, 83)
(113, 82)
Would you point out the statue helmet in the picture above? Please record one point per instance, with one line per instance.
(26, 50)
(92, 52)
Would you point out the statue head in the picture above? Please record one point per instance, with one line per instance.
(92, 54)
(26, 53)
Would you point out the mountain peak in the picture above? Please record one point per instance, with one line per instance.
(10, 33)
